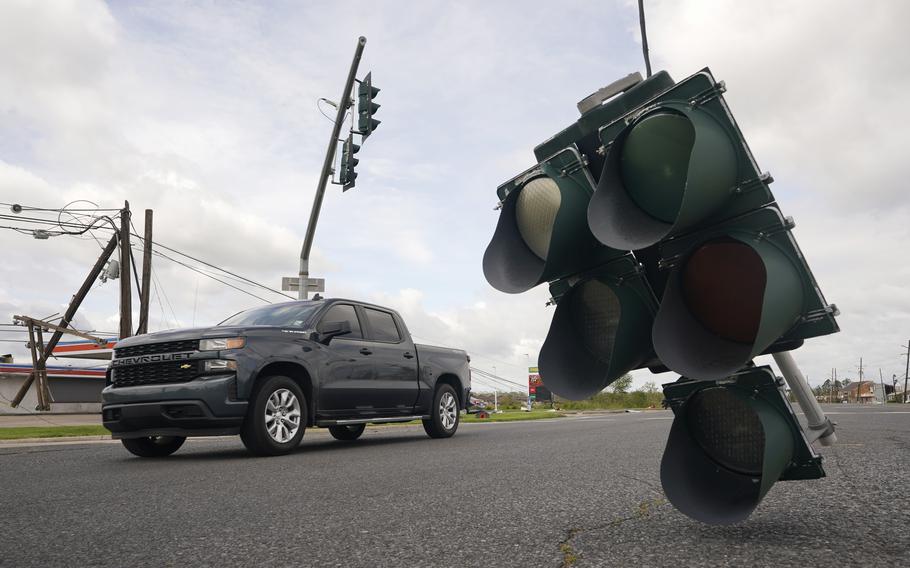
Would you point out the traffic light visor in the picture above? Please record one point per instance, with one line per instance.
(515, 259)
(726, 301)
(600, 331)
(727, 447)
(669, 169)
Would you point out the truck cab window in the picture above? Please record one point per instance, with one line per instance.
(382, 325)
(343, 312)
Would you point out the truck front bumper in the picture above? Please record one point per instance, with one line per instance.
(202, 407)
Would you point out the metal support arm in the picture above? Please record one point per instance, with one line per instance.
(820, 427)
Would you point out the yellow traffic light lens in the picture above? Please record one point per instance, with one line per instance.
(727, 429)
(595, 312)
(724, 286)
(655, 163)
(535, 212)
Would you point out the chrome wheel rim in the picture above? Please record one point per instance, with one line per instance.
(282, 416)
(448, 410)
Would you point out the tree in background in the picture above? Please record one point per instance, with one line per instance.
(622, 384)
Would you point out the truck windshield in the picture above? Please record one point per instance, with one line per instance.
(291, 314)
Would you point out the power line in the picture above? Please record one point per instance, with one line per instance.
(206, 274)
(210, 265)
(491, 376)
(644, 36)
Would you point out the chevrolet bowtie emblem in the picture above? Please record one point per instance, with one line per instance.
(185, 366)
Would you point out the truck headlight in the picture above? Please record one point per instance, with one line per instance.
(222, 343)
(219, 366)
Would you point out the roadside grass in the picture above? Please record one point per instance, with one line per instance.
(23, 432)
(512, 416)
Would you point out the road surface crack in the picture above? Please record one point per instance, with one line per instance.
(570, 556)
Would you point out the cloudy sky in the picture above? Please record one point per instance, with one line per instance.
(207, 114)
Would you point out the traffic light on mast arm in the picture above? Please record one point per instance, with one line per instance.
(366, 108)
(348, 176)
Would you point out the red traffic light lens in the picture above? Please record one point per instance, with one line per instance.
(724, 285)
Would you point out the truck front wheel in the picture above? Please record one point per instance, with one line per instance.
(444, 415)
(153, 446)
(276, 418)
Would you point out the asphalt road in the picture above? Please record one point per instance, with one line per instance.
(567, 492)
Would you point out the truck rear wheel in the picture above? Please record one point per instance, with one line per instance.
(444, 415)
(153, 446)
(348, 432)
(276, 418)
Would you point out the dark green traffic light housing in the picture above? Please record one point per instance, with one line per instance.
(730, 441)
(674, 164)
(366, 108)
(601, 329)
(542, 234)
(734, 291)
(348, 162)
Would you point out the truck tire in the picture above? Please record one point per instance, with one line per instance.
(153, 446)
(444, 415)
(347, 433)
(276, 418)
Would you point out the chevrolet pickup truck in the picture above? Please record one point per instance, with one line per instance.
(270, 372)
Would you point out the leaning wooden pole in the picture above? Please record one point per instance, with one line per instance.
(68, 316)
(146, 275)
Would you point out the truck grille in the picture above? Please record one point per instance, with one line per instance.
(151, 348)
(155, 373)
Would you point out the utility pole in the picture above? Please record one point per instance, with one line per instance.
(126, 302)
(68, 316)
(343, 104)
(146, 275)
(859, 387)
(836, 388)
(907, 371)
(881, 380)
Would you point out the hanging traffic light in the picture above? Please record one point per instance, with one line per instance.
(348, 176)
(731, 440)
(664, 248)
(366, 108)
(674, 165)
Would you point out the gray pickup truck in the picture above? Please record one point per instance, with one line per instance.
(270, 372)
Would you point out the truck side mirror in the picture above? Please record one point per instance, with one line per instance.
(331, 329)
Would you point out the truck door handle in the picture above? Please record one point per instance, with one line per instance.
(407, 355)
(365, 351)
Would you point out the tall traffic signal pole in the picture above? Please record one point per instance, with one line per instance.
(344, 103)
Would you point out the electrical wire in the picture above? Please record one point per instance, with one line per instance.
(210, 265)
(644, 36)
(206, 274)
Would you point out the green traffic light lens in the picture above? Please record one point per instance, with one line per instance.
(723, 285)
(595, 314)
(655, 163)
(535, 212)
(727, 429)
